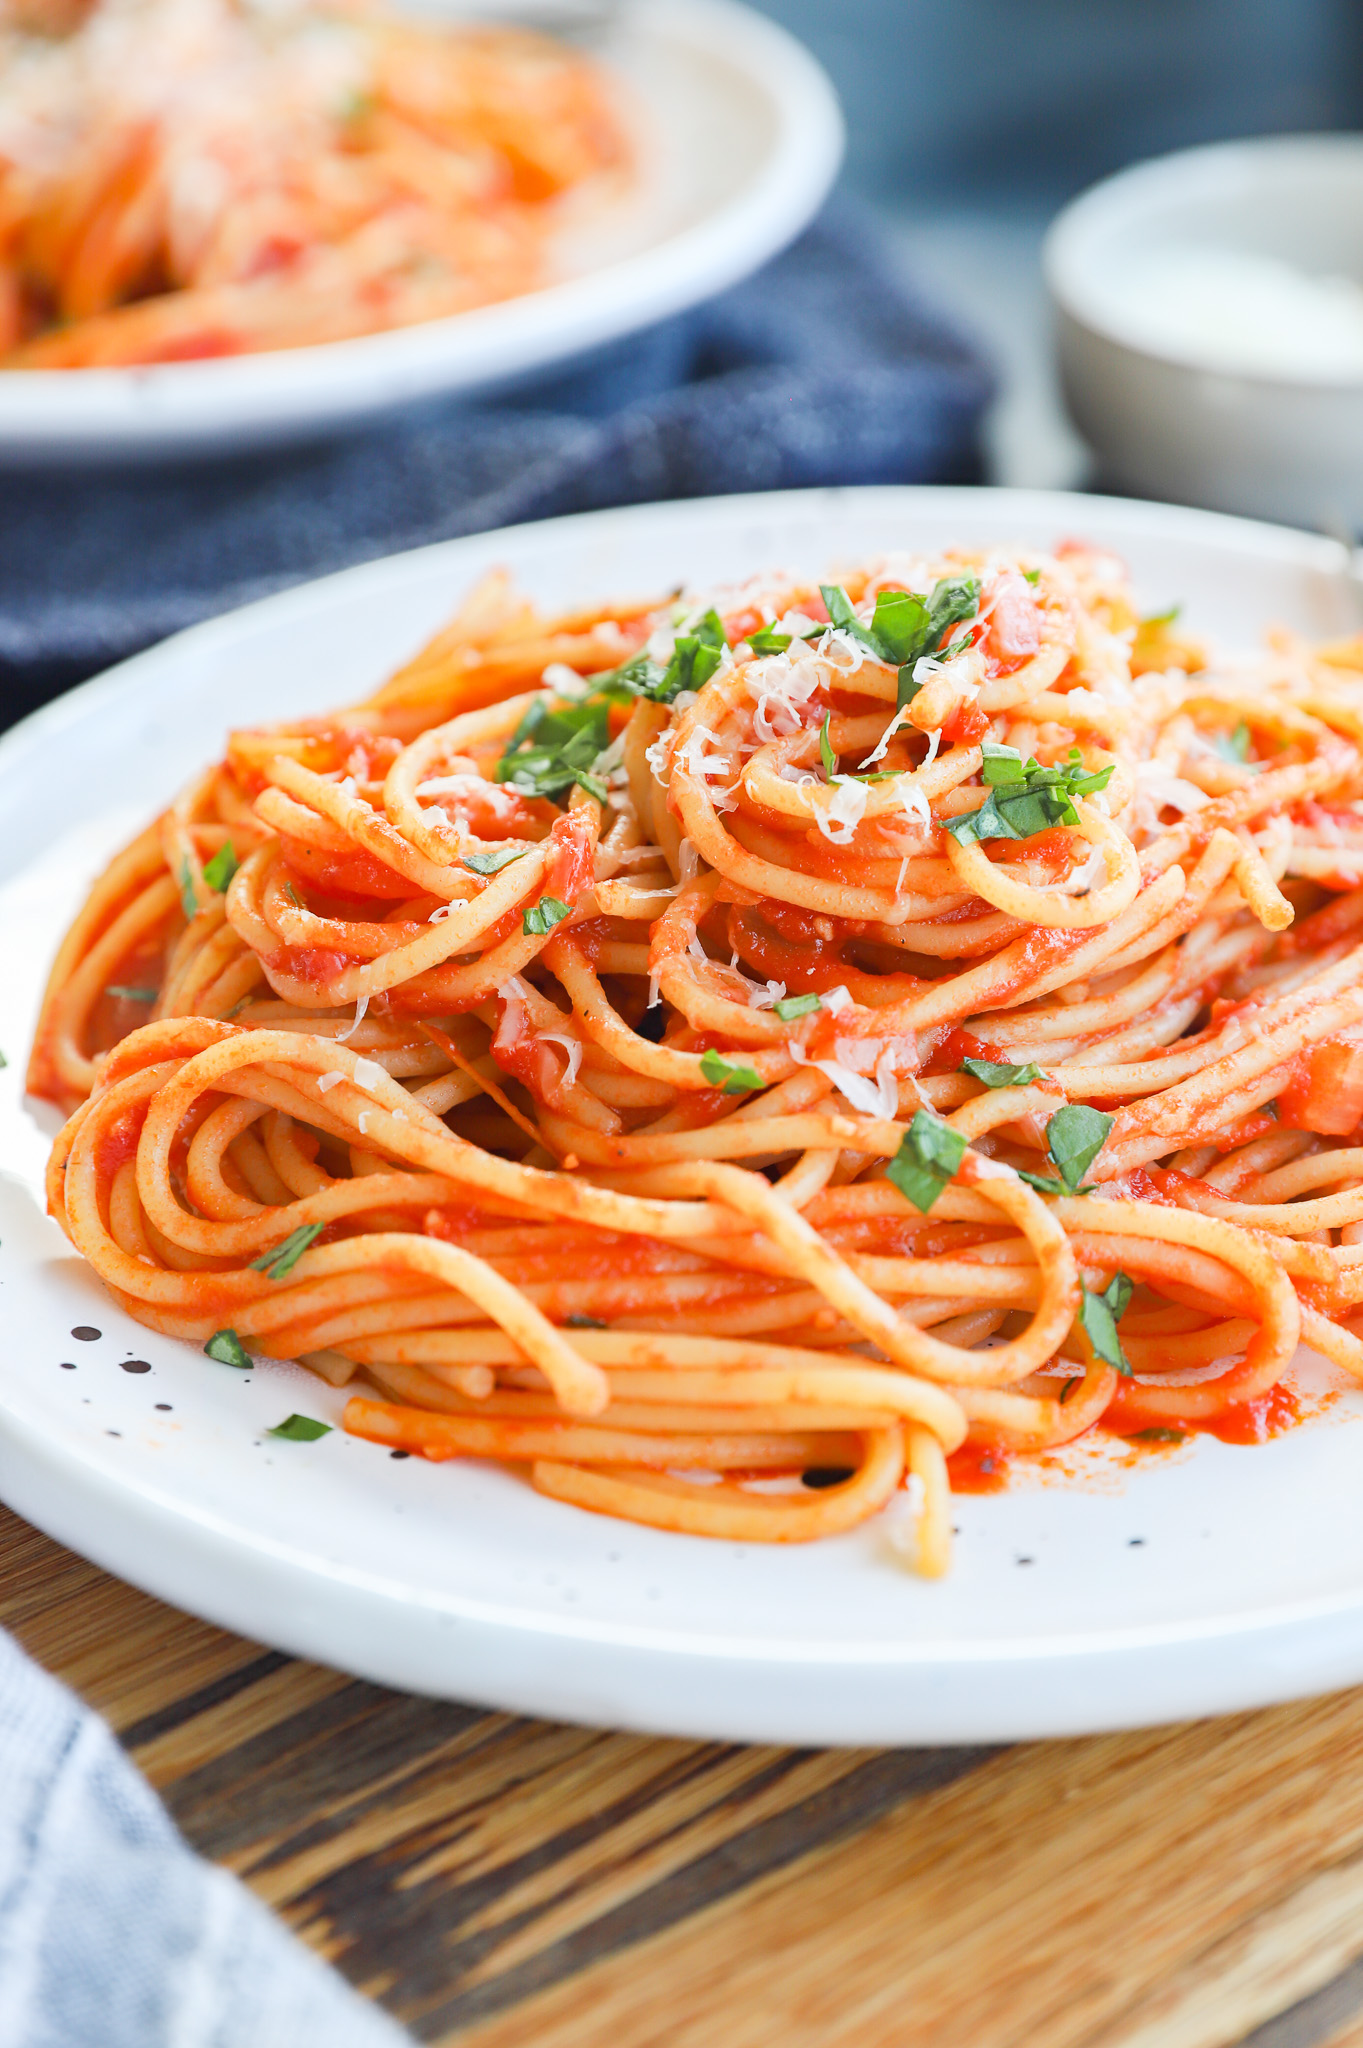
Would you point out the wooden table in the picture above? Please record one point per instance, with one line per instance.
(503, 1882)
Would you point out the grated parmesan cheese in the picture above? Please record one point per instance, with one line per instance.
(326, 1081)
(838, 819)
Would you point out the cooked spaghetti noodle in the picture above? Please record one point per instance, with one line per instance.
(191, 178)
(722, 1056)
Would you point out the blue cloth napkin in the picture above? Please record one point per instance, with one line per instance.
(112, 1934)
(821, 369)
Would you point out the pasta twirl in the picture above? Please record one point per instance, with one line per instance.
(724, 1056)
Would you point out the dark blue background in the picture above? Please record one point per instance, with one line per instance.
(1026, 101)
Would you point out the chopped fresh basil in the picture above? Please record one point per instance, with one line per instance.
(300, 1429)
(1024, 798)
(766, 640)
(1233, 746)
(492, 863)
(904, 627)
(1045, 1184)
(929, 1155)
(285, 1255)
(998, 1074)
(294, 896)
(132, 995)
(543, 916)
(1033, 576)
(219, 871)
(826, 754)
(1002, 767)
(1099, 1315)
(1155, 620)
(189, 897)
(551, 750)
(791, 1007)
(585, 1323)
(1075, 1380)
(730, 1075)
(1158, 1436)
(227, 1348)
(1075, 1136)
(695, 657)
(908, 688)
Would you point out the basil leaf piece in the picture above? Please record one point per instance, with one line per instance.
(1099, 1315)
(285, 1256)
(730, 1075)
(904, 627)
(189, 895)
(900, 624)
(551, 750)
(132, 995)
(219, 871)
(1162, 618)
(826, 754)
(543, 916)
(1075, 1380)
(1003, 767)
(908, 688)
(929, 1155)
(294, 896)
(1158, 1436)
(492, 863)
(1044, 1184)
(1075, 1136)
(640, 676)
(695, 657)
(300, 1429)
(791, 1007)
(840, 614)
(1021, 804)
(585, 1323)
(1233, 746)
(998, 1074)
(766, 640)
(227, 1348)
(1033, 576)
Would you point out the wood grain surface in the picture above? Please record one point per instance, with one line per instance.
(504, 1882)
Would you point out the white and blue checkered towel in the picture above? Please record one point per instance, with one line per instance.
(112, 1933)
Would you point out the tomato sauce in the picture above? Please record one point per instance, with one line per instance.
(978, 1468)
(353, 873)
(1255, 1422)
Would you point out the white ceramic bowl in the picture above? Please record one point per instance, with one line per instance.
(1166, 420)
(740, 137)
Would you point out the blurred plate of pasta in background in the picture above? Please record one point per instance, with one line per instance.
(1136, 1574)
(234, 225)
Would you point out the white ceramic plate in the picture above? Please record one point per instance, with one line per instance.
(1206, 1579)
(739, 137)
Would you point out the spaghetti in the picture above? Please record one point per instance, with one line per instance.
(722, 1056)
(190, 178)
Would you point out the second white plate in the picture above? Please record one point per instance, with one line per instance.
(740, 138)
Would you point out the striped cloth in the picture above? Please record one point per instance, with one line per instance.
(112, 1933)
